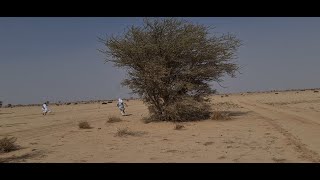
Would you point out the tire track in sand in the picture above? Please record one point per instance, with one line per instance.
(283, 118)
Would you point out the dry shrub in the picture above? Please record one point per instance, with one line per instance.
(8, 144)
(147, 120)
(114, 119)
(122, 132)
(316, 91)
(178, 127)
(182, 110)
(220, 115)
(84, 125)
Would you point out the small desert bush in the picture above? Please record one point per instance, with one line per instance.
(178, 127)
(8, 144)
(122, 132)
(114, 119)
(185, 109)
(84, 125)
(220, 115)
(147, 120)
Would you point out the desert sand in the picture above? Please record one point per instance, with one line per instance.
(264, 127)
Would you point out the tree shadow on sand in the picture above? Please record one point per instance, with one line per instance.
(22, 158)
(5, 113)
(238, 113)
(228, 115)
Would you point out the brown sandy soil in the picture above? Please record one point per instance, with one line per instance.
(264, 127)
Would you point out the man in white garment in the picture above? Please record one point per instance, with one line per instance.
(121, 107)
(45, 108)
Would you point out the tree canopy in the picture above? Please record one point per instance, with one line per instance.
(170, 63)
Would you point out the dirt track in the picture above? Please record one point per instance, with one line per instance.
(265, 127)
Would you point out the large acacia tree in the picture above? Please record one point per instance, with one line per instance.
(170, 63)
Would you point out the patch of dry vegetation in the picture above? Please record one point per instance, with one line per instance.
(114, 119)
(84, 125)
(221, 115)
(123, 132)
(8, 144)
(178, 127)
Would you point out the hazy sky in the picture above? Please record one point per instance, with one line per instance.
(57, 59)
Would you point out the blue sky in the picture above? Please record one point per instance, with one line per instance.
(57, 59)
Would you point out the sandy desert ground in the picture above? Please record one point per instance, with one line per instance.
(264, 127)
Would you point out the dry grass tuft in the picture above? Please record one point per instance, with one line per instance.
(220, 115)
(114, 119)
(84, 125)
(8, 144)
(147, 120)
(123, 132)
(178, 127)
